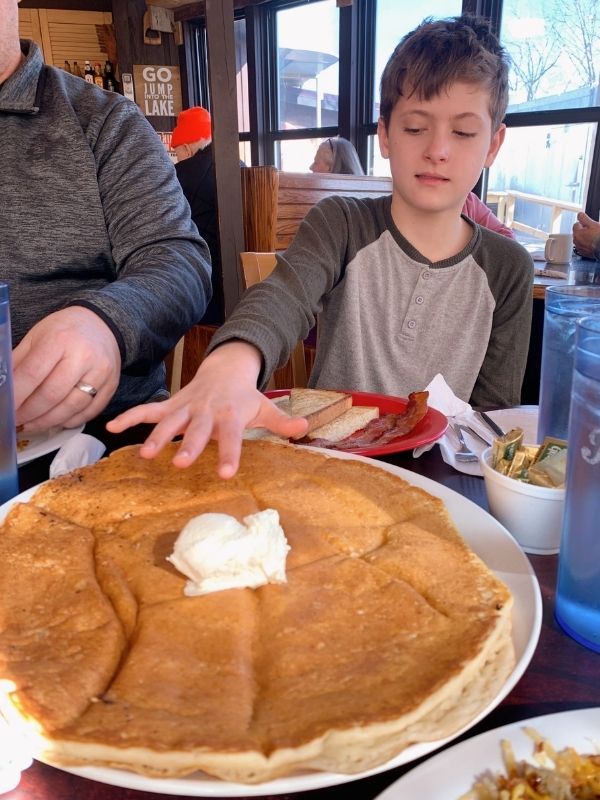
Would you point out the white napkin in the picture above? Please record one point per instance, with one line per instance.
(443, 399)
(79, 451)
(15, 756)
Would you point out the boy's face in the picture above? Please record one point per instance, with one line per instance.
(437, 148)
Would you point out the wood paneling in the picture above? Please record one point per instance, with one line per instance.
(128, 16)
(66, 35)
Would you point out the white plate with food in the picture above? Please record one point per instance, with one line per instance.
(34, 445)
(454, 772)
(499, 552)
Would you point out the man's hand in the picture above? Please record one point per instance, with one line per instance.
(65, 348)
(219, 403)
(586, 235)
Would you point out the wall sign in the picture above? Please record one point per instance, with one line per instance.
(157, 89)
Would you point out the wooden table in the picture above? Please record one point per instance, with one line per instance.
(580, 271)
(562, 674)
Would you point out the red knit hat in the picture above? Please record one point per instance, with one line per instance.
(193, 124)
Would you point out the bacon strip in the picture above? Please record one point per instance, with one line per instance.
(381, 430)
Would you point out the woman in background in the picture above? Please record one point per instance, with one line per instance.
(337, 155)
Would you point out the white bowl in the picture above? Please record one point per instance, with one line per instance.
(532, 514)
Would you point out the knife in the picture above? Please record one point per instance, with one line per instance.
(490, 423)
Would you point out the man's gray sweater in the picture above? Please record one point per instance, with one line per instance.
(93, 215)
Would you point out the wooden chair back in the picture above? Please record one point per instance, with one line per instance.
(256, 267)
(275, 203)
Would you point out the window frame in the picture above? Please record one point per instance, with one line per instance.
(356, 69)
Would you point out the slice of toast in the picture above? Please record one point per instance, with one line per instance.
(352, 420)
(318, 406)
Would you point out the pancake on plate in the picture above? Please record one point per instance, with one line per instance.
(389, 630)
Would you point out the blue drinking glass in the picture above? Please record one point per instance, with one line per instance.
(578, 588)
(9, 484)
(563, 307)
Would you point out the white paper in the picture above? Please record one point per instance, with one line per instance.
(79, 451)
(443, 399)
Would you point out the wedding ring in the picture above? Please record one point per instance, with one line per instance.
(87, 388)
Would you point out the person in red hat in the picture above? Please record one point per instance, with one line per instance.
(192, 141)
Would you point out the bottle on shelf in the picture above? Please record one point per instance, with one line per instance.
(76, 70)
(110, 83)
(88, 72)
(98, 80)
(67, 66)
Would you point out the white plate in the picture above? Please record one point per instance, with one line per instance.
(459, 765)
(494, 545)
(39, 444)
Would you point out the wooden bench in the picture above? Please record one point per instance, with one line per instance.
(275, 203)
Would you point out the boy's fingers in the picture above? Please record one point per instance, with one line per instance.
(194, 440)
(165, 432)
(286, 426)
(230, 446)
(149, 412)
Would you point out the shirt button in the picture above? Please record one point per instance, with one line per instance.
(419, 300)
(412, 324)
(426, 275)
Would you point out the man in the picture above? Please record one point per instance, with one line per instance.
(192, 142)
(586, 236)
(105, 268)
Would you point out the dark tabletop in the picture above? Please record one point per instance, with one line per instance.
(562, 674)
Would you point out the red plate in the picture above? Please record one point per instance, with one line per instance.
(430, 428)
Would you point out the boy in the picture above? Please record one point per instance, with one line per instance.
(404, 286)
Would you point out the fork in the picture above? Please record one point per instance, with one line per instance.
(463, 453)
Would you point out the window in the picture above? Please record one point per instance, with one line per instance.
(296, 155)
(544, 172)
(395, 18)
(555, 52)
(241, 75)
(307, 65)
(540, 178)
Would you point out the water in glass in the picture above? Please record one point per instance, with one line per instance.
(578, 588)
(564, 306)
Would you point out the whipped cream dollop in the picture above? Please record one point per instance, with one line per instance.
(217, 552)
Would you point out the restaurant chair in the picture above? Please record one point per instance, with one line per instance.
(174, 365)
(255, 268)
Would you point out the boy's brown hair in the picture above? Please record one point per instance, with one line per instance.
(441, 52)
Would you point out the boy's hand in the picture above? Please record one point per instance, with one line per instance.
(219, 403)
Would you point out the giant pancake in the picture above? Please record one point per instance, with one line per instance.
(389, 630)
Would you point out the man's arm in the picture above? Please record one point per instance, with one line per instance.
(162, 281)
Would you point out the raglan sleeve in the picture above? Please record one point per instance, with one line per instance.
(162, 265)
(501, 375)
(276, 313)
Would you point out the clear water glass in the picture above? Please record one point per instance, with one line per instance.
(578, 587)
(9, 484)
(564, 306)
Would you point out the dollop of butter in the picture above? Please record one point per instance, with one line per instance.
(217, 552)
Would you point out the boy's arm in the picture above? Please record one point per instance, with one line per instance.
(275, 314)
(501, 375)
(219, 403)
(222, 399)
